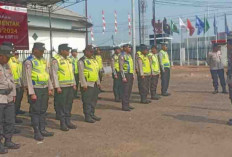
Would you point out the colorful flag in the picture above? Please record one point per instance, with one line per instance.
(174, 28)
(190, 27)
(166, 27)
(115, 23)
(206, 25)
(91, 29)
(227, 31)
(129, 24)
(199, 25)
(182, 24)
(215, 26)
(103, 22)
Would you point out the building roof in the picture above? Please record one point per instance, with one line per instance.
(33, 2)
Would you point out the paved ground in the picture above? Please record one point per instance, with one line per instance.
(190, 123)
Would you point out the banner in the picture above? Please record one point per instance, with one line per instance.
(13, 26)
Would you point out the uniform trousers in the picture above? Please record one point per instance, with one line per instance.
(117, 86)
(126, 90)
(165, 78)
(218, 74)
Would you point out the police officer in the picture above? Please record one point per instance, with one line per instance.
(90, 84)
(155, 72)
(64, 84)
(75, 59)
(126, 67)
(165, 69)
(138, 53)
(98, 58)
(16, 68)
(229, 72)
(144, 70)
(7, 99)
(117, 85)
(39, 88)
(214, 60)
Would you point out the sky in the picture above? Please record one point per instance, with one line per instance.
(123, 7)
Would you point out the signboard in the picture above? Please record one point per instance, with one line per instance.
(13, 26)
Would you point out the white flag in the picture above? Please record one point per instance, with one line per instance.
(182, 24)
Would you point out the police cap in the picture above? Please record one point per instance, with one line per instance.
(39, 46)
(64, 47)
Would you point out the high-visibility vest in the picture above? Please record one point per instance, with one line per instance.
(39, 74)
(16, 68)
(146, 64)
(90, 69)
(128, 65)
(155, 63)
(65, 70)
(75, 65)
(116, 62)
(99, 61)
(165, 59)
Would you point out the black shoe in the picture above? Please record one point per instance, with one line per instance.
(18, 121)
(224, 92)
(70, 125)
(45, 133)
(3, 150)
(11, 145)
(166, 94)
(63, 125)
(20, 112)
(89, 119)
(16, 131)
(126, 109)
(38, 136)
(131, 107)
(156, 97)
(215, 92)
(96, 118)
(144, 102)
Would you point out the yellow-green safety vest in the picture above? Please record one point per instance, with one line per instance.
(116, 62)
(154, 63)
(65, 70)
(75, 65)
(165, 59)
(39, 74)
(16, 68)
(146, 64)
(90, 69)
(99, 61)
(128, 65)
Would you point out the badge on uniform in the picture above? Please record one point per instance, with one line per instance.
(36, 63)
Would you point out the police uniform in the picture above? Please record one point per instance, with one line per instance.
(144, 71)
(229, 71)
(63, 78)
(138, 53)
(126, 67)
(39, 84)
(7, 107)
(76, 73)
(155, 75)
(117, 85)
(165, 71)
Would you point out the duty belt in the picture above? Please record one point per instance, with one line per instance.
(5, 91)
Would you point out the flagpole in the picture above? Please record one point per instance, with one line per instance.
(205, 39)
(180, 46)
(188, 48)
(197, 52)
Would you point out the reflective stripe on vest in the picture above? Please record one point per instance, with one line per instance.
(165, 59)
(146, 64)
(116, 62)
(16, 68)
(39, 74)
(65, 70)
(90, 70)
(155, 63)
(99, 61)
(128, 65)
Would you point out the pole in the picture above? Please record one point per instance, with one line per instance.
(180, 46)
(197, 52)
(139, 5)
(188, 49)
(133, 28)
(86, 27)
(154, 21)
(50, 29)
(171, 54)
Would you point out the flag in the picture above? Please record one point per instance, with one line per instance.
(190, 27)
(206, 25)
(215, 26)
(166, 27)
(129, 24)
(103, 22)
(174, 28)
(91, 29)
(182, 24)
(199, 25)
(227, 31)
(115, 23)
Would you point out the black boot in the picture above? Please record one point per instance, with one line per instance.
(10, 145)
(155, 97)
(215, 91)
(63, 125)
(69, 124)
(89, 119)
(3, 150)
(131, 107)
(43, 131)
(35, 124)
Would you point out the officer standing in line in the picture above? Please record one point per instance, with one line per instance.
(75, 59)
(126, 67)
(138, 53)
(165, 69)
(7, 99)
(144, 70)
(16, 68)
(98, 58)
(39, 88)
(155, 72)
(90, 84)
(117, 85)
(214, 60)
(64, 84)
